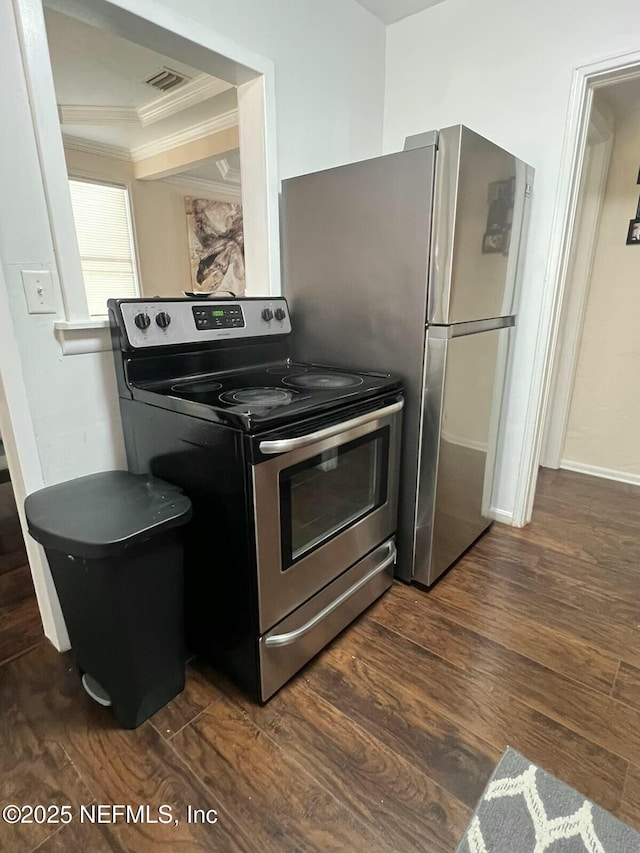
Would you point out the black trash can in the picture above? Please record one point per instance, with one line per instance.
(114, 545)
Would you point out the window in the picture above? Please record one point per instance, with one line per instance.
(103, 227)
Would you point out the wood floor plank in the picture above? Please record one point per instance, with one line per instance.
(76, 836)
(599, 510)
(47, 779)
(512, 549)
(629, 810)
(397, 715)
(609, 638)
(606, 578)
(618, 602)
(33, 770)
(620, 554)
(20, 622)
(271, 794)
(11, 538)
(199, 692)
(399, 801)
(495, 618)
(559, 535)
(117, 766)
(601, 719)
(20, 630)
(492, 713)
(627, 686)
(583, 490)
(13, 560)
(15, 586)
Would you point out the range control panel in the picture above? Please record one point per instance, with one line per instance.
(170, 322)
(219, 317)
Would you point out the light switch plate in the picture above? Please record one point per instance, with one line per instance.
(38, 289)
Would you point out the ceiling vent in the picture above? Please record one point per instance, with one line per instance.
(165, 79)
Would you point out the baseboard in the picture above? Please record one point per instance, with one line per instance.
(501, 515)
(468, 443)
(596, 471)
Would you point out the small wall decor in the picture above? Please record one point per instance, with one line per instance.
(633, 234)
(216, 245)
(497, 234)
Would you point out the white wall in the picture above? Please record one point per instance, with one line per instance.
(504, 68)
(330, 68)
(329, 79)
(602, 430)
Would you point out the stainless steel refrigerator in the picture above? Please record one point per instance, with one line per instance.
(408, 264)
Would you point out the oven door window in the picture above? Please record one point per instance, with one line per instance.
(325, 494)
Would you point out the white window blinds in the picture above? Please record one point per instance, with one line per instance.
(103, 227)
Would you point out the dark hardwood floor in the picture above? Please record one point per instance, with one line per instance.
(20, 625)
(386, 740)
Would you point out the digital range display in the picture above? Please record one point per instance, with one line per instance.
(220, 317)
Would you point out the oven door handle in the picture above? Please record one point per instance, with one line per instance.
(292, 636)
(284, 445)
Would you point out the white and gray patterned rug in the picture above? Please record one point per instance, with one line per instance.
(525, 810)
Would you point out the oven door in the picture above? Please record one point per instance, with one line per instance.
(321, 504)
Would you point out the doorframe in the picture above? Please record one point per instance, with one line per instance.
(586, 78)
(584, 238)
(25, 469)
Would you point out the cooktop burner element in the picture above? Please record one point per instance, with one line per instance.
(196, 387)
(324, 380)
(258, 396)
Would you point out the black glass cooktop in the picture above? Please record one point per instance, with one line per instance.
(261, 395)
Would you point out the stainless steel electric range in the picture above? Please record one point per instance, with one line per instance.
(292, 470)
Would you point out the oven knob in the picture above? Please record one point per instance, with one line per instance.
(267, 314)
(163, 319)
(280, 314)
(142, 320)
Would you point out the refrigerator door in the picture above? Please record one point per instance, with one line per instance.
(479, 206)
(355, 266)
(463, 383)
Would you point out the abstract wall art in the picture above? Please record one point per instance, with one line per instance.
(216, 245)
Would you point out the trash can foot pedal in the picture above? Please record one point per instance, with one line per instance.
(95, 690)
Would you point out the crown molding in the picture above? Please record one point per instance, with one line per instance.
(159, 146)
(89, 114)
(231, 176)
(190, 182)
(200, 89)
(102, 149)
(189, 134)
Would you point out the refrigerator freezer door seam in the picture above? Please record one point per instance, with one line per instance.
(459, 330)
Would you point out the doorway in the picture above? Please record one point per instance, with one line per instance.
(588, 80)
(592, 422)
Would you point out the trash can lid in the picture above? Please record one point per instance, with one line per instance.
(104, 513)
